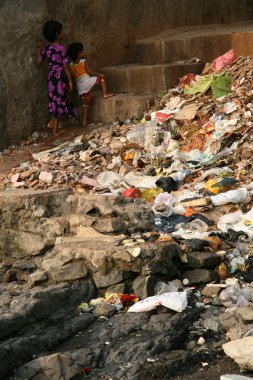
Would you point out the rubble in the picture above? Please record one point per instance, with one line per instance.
(159, 209)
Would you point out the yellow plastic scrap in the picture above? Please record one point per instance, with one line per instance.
(210, 186)
(129, 155)
(220, 185)
(150, 194)
(84, 306)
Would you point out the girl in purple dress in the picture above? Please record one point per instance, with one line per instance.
(59, 77)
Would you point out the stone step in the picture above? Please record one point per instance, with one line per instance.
(136, 78)
(205, 42)
(120, 107)
(106, 261)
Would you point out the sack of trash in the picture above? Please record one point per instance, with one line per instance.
(176, 301)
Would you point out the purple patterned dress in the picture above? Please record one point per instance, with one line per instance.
(57, 81)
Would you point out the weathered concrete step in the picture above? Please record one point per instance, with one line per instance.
(120, 107)
(135, 78)
(205, 42)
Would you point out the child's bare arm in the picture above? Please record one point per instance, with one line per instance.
(92, 72)
(68, 73)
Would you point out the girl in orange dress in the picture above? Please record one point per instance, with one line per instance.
(85, 77)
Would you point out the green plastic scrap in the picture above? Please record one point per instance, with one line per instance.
(84, 306)
(221, 86)
(219, 83)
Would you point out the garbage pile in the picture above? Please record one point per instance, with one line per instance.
(191, 158)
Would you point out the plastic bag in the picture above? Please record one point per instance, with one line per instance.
(162, 116)
(221, 86)
(176, 301)
(132, 193)
(233, 196)
(148, 304)
(150, 194)
(141, 182)
(164, 199)
(224, 60)
(109, 178)
(233, 297)
(180, 175)
(198, 225)
(168, 184)
(198, 158)
(248, 218)
(142, 134)
(220, 185)
(229, 220)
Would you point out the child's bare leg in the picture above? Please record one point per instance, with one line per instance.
(85, 115)
(55, 128)
(86, 101)
(50, 124)
(105, 93)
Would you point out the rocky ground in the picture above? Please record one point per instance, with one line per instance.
(67, 249)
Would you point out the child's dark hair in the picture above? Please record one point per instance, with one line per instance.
(74, 49)
(50, 30)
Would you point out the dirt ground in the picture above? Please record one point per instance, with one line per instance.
(12, 158)
(213, 371)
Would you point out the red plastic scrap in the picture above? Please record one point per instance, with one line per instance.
(133, 193)
(86, 370)
(127, 298)
(187, 79)
(224, 60)
(162, 117)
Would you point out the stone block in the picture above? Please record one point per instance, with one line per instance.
(241, 351)
(120, 107)
(242, 43)
(113, 277)
(105, 309)
(56, 366)
(71, 271)
(246, 313)
(143, 286)
(139, 79)
(37, 278)
(199, 276)
(202, 259)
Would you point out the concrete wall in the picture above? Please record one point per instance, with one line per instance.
(22, 91)
(107, 27)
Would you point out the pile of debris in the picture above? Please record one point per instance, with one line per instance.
(190, 157)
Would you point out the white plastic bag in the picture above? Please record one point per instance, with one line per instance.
(148, 304)
(109, 178)
(142, 134)
(229, 220)
(141, 182)
(233, 297)
(232, 196)
(164, 199)
(176, 301)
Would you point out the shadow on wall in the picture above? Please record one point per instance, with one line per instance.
(3, 110)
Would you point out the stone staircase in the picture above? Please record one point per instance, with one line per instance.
(160, 61)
